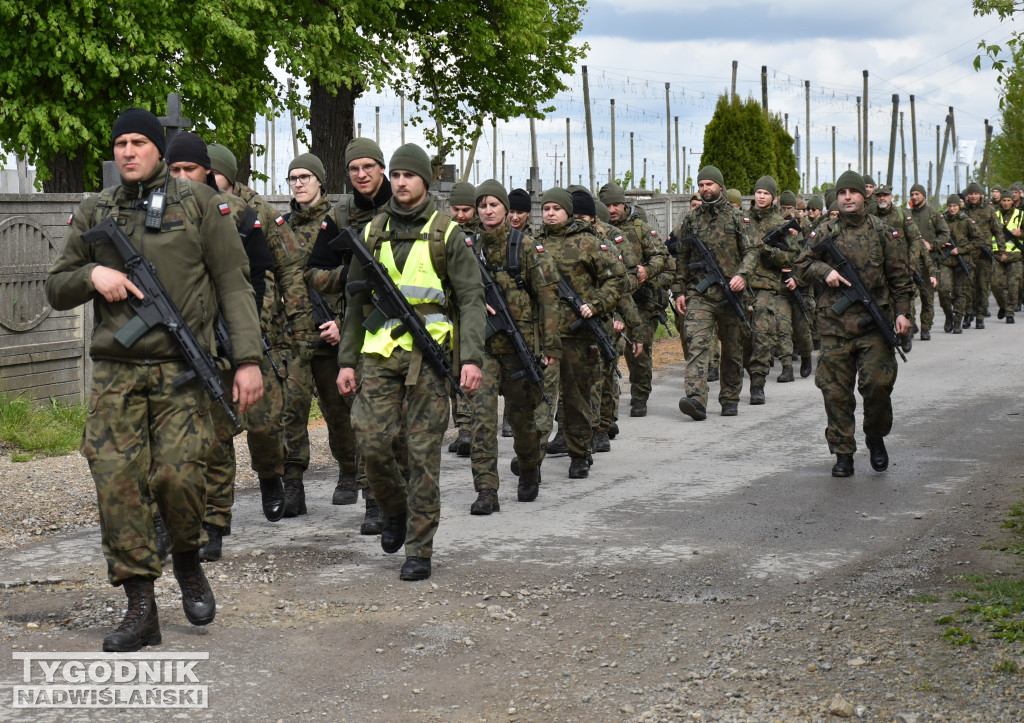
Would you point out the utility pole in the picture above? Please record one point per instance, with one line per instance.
(816, 183)
(533, 183)
(860, 148)
(295, 134)
(401, 106)
(611, 171)
(871, 164)
(668, 137)
(892, 139)
(645, 170)
(913, 135)
(983, 170)
(834, 176)
(589, 128)
(956, 149)
(903, 159)
(807, 127)
(632, 163)
(867, 106)
(679, 184)
(940, 165)
(494, 147)
(503, 166)
(568, 152)
(735, 66)
(764, 87)
(376, 135)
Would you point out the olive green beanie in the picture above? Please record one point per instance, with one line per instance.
(310, 163)
(853, 181)
(787, 198)
(363, 148)
(463, 193)
(954, 200)
(767, 183)
(611, 193)
(411, 157)
(491, 187)
(560, 196)
(734, 196)
(710, 173)
(223, 161)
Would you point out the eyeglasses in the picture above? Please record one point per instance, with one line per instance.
(300, 180)
(366, 169)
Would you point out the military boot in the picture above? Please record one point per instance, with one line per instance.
(757, 395)
(272, 492)
(486, 503)
(346, 493)
(843, 466)
(805, 366)
(294, 498)
(968, 318)
(926, 334)
(558, 446)
(979, 323)
(613, 430)
(163, 539)
(712, 374)
(415, 568)
(211, 551)
(599, 442)
(529, 484)
(947, 325)
(196, 594)
(879, 456)
(958, 325)
(373, 520)
(506, 425)
(141, 625)
(787, 373)
(464, 444)
(638, 408)
(392, 536)
(514, 466)
(693, 408)
(578, 468)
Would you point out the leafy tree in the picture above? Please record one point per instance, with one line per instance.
(1006, 164)
(735, 142)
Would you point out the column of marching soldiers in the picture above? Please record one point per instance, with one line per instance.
(395, 313)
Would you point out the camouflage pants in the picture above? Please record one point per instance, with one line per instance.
(772, 328)
(641, 368)
(801, 339)
(521, 398)
(945, 290)
(265, 439)
(867, 362)
(707, 322)
(462, 411)
(146, 440)
(982, 285)
(385, 409)
(1005, 285)
(959, 290)
(580, 369)
(544, 415)
(605, 402)
(716, 346)
(320, 373)
(927, 295)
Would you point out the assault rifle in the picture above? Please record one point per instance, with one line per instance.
(391, 304)
(321, 314)
(856, 292)
(776, 239)
(604, 342)
(1010, 238)
(156, 308)
(502, 321)
(959, 257)
(220, 333)
(643, 294)
(713, 275)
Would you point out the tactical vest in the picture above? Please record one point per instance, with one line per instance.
(1016, 216)
(420, 281)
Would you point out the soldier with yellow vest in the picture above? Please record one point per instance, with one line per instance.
(1006, 273)
(427, 256)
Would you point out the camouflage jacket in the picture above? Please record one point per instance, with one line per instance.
(588, 264)
(770, 260)
(880, 257)
(964, 232)
(932, 226)
(308, 226)
(533, 305)
(726, 231)
(202, 266)
(899, 219)
(626, 310)
(985, 216)
(1012, 220)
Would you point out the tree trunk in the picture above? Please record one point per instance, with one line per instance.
(331, 127)
(67, 174)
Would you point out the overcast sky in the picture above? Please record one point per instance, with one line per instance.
(639, 45)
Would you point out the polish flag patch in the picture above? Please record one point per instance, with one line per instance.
(70, 219)
(746, 220)
(469, 241)
(224, 209)
(279, 220)
(257, 224)
(895, 234)
(323, 225)
(604, 247)
(654, 233)
(619, 239)
(540, 249)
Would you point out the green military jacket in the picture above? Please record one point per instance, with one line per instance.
(587, 262)
(920, 260)
(202, 265)
(461, 276)
(984, 215)
(726, 231)
(880, 257)
(533, 305)
(770, 260)
(964, 232)
(932, 226)
(307, 226)
(626, 310)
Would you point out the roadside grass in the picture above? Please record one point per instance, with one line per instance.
(995, 605)
(39, 431)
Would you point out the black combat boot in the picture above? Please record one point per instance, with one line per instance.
(638, 408)
(599, 442)
(879, 457)
(968, 318)
(346, 493)
(979, 323)
(1009, 320)
(729, 409)
(529, 484)
(294, 498)
(712, 374)
(947, 326)
(272, 492)
(1001, 314)
(843, 466)
(196, 594)
(506, 426)
(613, 430)
(141, 625)
(486, 503)
(958, 325)
(211, 551)
(514, 466)
(756, 395)
(163, 539)
(805, 366)
(578, 468)
(415, 568)
(557, 445)
(464, 444)
(392, 537)
(786, 375)
(373, 520)
(693, 408)
(926, 334)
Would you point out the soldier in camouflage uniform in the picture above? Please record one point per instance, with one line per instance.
(727, 234)
(327, 272)
(984, 216)
(599, 279)
(1006, 277)
(649, 293)
(870, 201)
(934, 235)
(398, 393)
(529, 286)
(801, 328)
(462, 207)
(187, 157)
(313, 364)
(771, 321)
(963, 232)
(920, 260)
(855, 355)
(144, 437)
